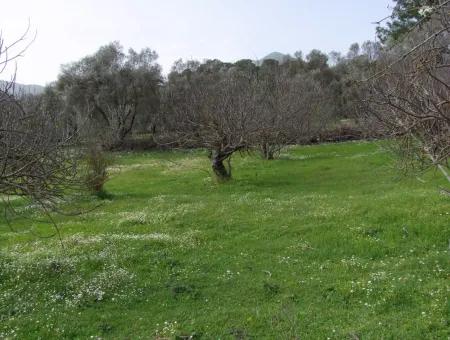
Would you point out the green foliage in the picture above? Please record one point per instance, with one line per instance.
(112, 91)
(325, 242)
(405, 15)
(317, 60)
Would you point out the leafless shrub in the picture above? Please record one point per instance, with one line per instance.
(97, 163)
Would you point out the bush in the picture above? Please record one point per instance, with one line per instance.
(97, 163)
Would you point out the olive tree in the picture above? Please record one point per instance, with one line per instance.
(112, 91)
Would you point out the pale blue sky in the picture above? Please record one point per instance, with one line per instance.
(226, 29)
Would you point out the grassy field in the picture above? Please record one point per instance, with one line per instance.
(327, 242)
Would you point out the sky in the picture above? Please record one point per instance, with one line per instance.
(229, 30)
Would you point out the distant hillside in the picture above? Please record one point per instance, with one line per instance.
(26, 89)
(280, 57)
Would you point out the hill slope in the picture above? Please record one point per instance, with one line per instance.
(277, 56)
(26, 89)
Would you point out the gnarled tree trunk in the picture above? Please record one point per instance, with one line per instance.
(219, 156)
(217, 162)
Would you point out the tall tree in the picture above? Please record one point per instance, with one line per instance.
(112, 90)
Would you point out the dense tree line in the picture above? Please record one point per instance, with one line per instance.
(397, 87)
(111, 97)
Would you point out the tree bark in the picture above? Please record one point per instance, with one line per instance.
(267, 151)
(219, 168)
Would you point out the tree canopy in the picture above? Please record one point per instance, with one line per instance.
(405, 15)
(112, 89)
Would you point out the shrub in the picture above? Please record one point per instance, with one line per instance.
(97, 163)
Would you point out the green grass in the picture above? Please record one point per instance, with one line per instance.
(326, 242)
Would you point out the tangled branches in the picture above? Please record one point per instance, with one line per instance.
(37, 159)
(408, 99)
